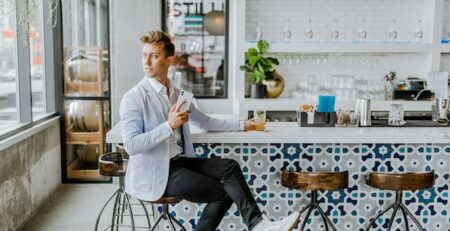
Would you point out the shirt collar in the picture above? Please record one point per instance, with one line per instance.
(159, 87)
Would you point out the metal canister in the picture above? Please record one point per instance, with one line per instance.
(362, 107)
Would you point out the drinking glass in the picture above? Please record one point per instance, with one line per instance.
(396, 114)
(353, 119)
(342, 118)
(260, 120)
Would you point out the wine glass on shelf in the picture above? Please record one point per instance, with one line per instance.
(259, 31)
(393, 31)
(283, 58)
(287, 31)
(419, 31)
(309, 33)
(334, 30)
(362, 32)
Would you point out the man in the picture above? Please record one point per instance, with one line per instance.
(162, 160)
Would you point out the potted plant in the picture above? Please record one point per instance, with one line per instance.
(259, 70)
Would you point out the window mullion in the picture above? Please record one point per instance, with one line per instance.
(23, 73)
(49, 60)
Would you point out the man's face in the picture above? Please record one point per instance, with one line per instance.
(154, 60)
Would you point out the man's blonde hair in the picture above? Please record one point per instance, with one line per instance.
(157, 36)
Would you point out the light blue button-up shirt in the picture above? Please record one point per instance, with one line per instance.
(167, 102)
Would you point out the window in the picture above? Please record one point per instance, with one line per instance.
(198, 30)
(27, 94)
(8, 66)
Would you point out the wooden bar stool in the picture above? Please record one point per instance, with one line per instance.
(165, 202)
(315, 181)
(114, 164)
(399, 183)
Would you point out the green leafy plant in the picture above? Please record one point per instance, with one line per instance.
(257, 66)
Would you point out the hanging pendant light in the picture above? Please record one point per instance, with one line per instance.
(214, 22)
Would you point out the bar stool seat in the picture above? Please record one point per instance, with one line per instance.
(114, 164)
(165, 202)
(315, 181)
(399, 182)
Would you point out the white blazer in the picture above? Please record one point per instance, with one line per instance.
(145, 138)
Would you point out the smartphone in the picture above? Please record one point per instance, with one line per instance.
(185, 95)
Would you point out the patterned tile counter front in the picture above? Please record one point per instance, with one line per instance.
(348, 209)
(285, 146)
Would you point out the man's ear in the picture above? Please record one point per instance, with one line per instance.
(171, 59)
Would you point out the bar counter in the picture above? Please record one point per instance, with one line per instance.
(286, 146)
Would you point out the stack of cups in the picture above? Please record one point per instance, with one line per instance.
(326, 103)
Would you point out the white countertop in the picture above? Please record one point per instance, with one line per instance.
(290, 132)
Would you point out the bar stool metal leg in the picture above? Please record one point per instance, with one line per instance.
(177, 222)
(171, 224)
(378, 216)
(315, 205)
(131, 212)
(124, 206)
(306, 217)
(167, 216)
(405, 217)
(413, 218)
(325, 219)
(103, 208)
(396, 205)
(393, 217)
(156, 223)
(116, 211)
(146, 212)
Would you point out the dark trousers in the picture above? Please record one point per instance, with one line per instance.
(218, 182)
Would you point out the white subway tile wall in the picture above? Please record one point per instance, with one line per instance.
(445, 62)
(350, 14)
(446, 24)
(306, 76)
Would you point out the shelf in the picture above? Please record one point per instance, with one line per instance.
(347, 47)
(80, 97)
(74, 171)
(286, 104)
(85, 87)
(445, 48)
(198, 35)
(84, 138)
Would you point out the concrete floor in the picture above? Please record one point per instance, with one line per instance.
(74, 207)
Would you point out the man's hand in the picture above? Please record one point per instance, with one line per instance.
(177, 118)
(249, 125)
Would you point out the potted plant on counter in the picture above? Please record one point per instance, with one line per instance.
(263, 77)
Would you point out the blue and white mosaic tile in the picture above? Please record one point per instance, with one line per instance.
(348, 209)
